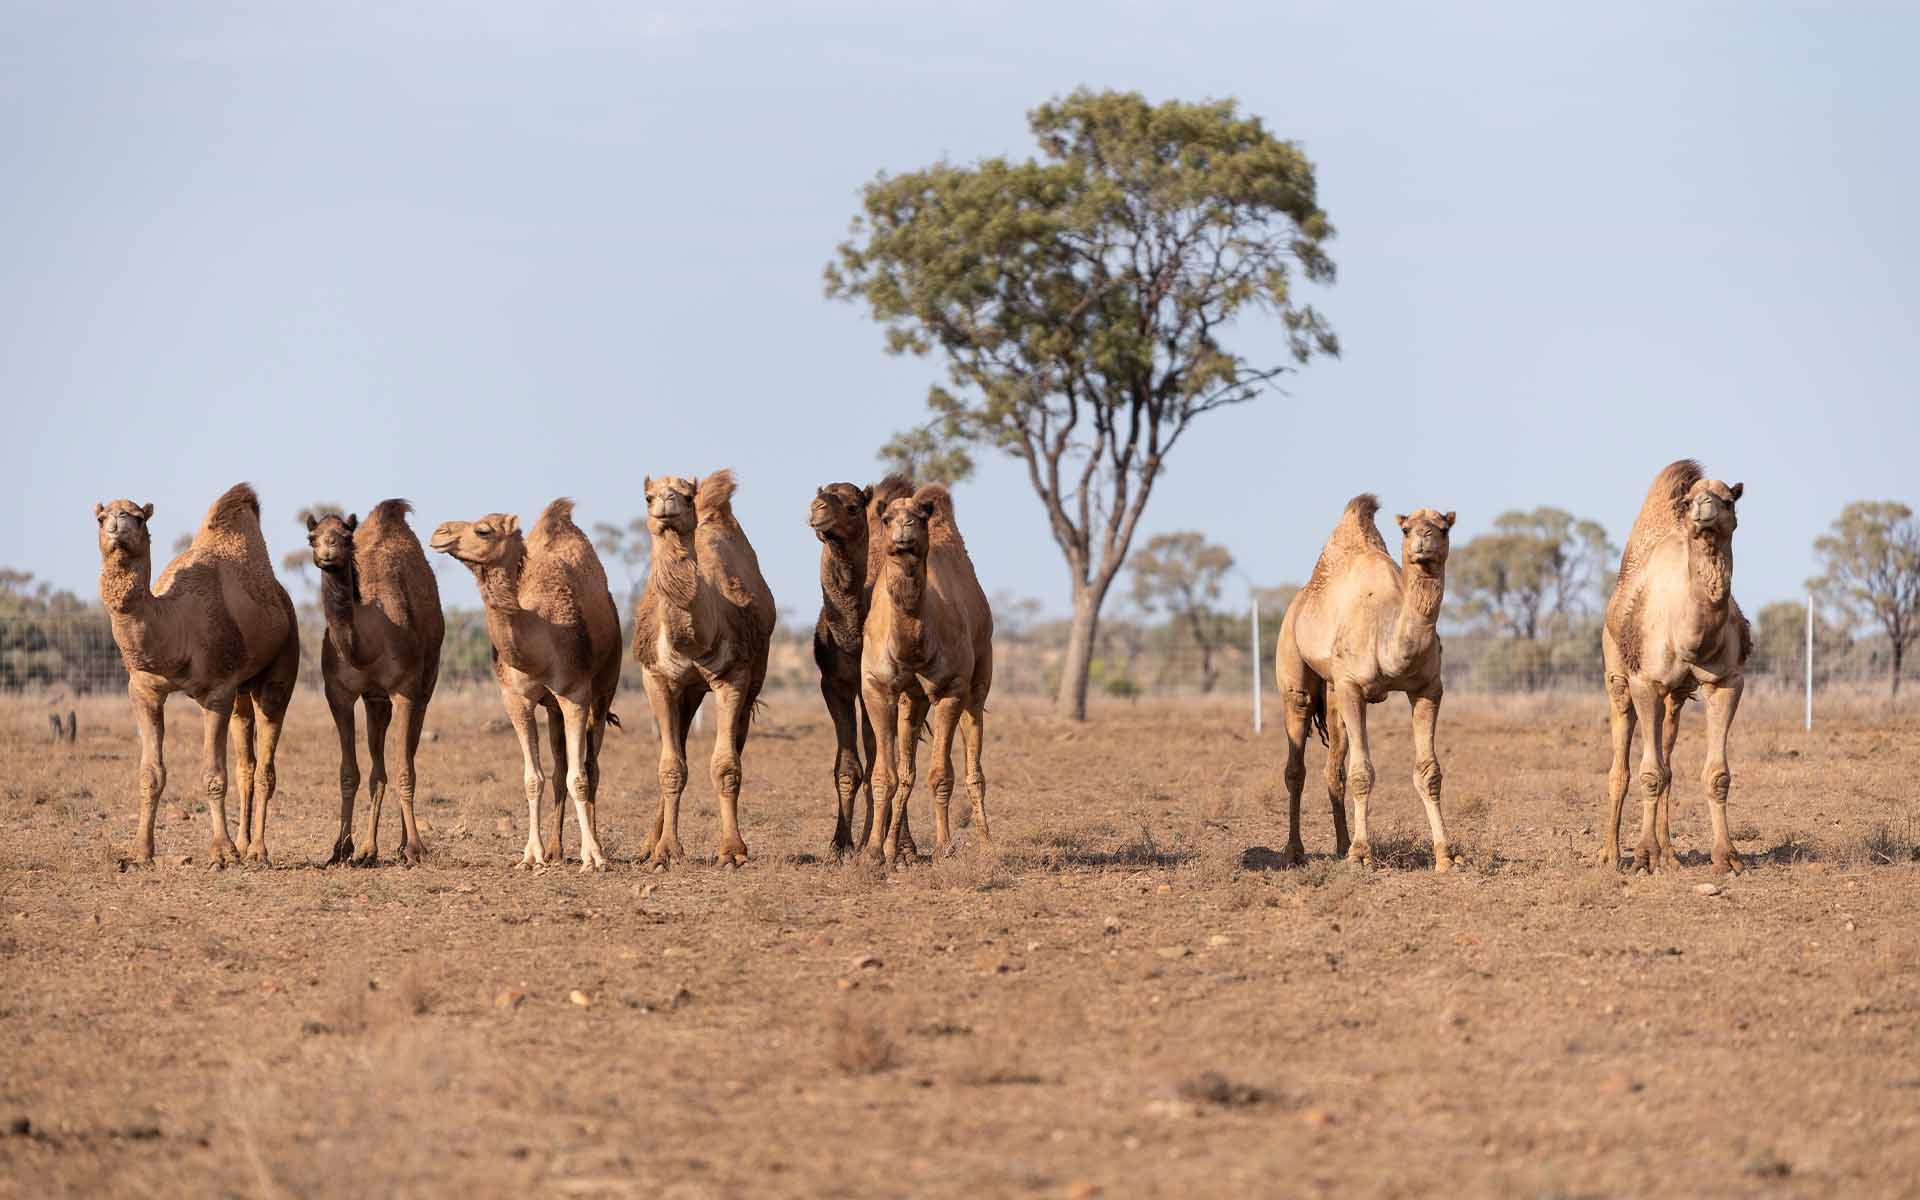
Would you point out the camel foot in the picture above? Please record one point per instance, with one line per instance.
(1360, 854)
(533, 857)
(1608, 857)
(142, 862)
(1442, 859)
(223, 853)
(732, 853)
(592, 860)
(1295, 855)
(342, 852)
(367, 856)
(412, 852)
(1731, 864)
(666, 852)
(257, 855)
(907, 846)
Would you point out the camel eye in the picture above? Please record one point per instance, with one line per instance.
(483, 530)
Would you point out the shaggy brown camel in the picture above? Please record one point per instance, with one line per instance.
(928, 644)
(704, 624)
(846, 519)
(1673, 627)
(1361, 628)
(218, 627)
(384, 628)
(556, 645)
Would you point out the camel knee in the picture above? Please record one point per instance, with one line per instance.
(1299, 701)
(403, 779)
(726, 775)
(535, 779)
(673, 777)
(1296, 775)
(1718, 781)
(1428, 774)
(1617, 694)
(1655, 782)
(349, 780)
(153, 779)
(1359, 778)
(215, 783)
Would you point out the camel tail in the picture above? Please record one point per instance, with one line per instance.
(237, 507)
(613, 719)
(713, 495)
(1317, 709)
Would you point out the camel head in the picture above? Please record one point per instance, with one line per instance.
(1426, 538)
(670, 504)
(1710, 507)
(839, 513)
(332, 541)
(906, 521)
(123, 528)
(489, 541)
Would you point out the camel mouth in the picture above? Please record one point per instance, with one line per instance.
(819, 518)
(444, 541)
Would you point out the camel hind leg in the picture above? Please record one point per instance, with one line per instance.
(1359, 760)
(1300, 696)
(1620, 721)
(973, 735)
(847, 770)
(577, 721)
(1662, 831)
(556, 820)
(340, 704)
(732, 718)
(1336, 777)
(411, 714)
(272, 693)
(215, 713)
(240, 732)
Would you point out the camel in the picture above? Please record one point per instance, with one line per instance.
(1364, 627)
(384, 628)
(704, 624)
(556, 645)
(847, 521)
(219, 627)
(927, 645)
(1673, 627)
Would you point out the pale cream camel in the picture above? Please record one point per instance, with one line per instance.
(1672, 628)
(927, 644)
(846, 518)
(704, 624)
(556, 644)
(218, 627)
(1363, 627)
(384, 628)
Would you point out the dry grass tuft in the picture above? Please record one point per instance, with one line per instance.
(1211, 1087)
(860, 1045)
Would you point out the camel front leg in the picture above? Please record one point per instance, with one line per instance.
(1669, 859)
(1620, 723)
(213, 754)
(576, 718)
(912, 706)
(340, 704)
(730, 722)
(1649, 710)
(270, 701)
(520, 713)
(379, 719)
(885, 779)
(1426, 770)
(663, 848)
(1723, 701)
(410, 714)
(1353, 714)
(946, 721)
(973, 732)
(1336, 776)
(556, 820)
(149, 713)
(847, 773)
(240, 733)
(1299, 719)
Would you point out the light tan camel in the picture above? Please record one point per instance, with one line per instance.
(704, 624)
(846, 519)
(556, 645)
(384, 628)
(928, 644)
(1364, 627)
(218, 627)
(1673, 627)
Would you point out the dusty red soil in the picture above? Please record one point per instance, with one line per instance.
(1116, 999)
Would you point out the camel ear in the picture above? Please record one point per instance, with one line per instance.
(1447, 520)
(353, 522)
(646, 485)
(99, 511)
(1737, 489)
(1400, 519)
(313, 523)
(866, 496)
(510, 525)
(146, 512)
(925, 509)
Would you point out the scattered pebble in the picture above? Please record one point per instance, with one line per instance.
(1620, 1084)
(1219, 939)
(1165, 889)
(867, 962)
(1707, 889)
(845, 984)
(1110, 926)
(1316, 1116)
(1172, 952)
(509, 998)
(580, 998)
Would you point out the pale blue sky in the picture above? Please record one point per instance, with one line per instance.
(481, 256)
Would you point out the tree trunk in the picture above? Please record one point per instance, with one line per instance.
(1207, 674)
(1071, 703)
(1899, 652)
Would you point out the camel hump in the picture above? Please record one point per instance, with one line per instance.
(388, 512)
(555, 524)
(1356, 527)
(713, 496)
(894, 486)
(237, 508)
(1664, 509)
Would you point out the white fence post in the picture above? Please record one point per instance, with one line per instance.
(1809, 662)
(1256, 664)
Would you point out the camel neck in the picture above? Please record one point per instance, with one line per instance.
(506, 619)
(1710, 569)
(843, 573)
(684, 600)
(339, 602)
(139, 618)
(1421, 591)
(905, 578)
(126, 583)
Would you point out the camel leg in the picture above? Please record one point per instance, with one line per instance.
(664, 847)
(149, 712)
(1649, 711)
(1299, 718)
(1426, 770)
(1620, 721)
(1723, 700)
(340, 703)
(240, 730)
(520, 713)
(946, 720)
(557, 812)
(885, 767)
(913, 708)
(596, 734)
(731, 718)
(867, 748)
(846, 764)
(411, 715)
(213, 754)
(1662, 833)
(1336, 776)
(973, 732)
(271, 697)
(379, 717)
(577, 718)
(1353, 714)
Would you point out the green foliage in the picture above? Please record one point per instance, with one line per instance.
(50, 637)
(1079, 301)
(1180, 574)
(1872, 571)
(928, 454)
(629, 545)
(1780, 642)
(1535, 574)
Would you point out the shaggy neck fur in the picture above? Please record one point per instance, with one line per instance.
(1710, 568)
(680, 597)
(1421, 590)
(500, 594)
(340, 603)
(906, 584)
(139, 625)
(843, 579)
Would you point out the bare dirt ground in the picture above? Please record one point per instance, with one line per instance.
(1116, 999)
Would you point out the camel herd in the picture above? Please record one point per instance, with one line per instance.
(904, 633)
